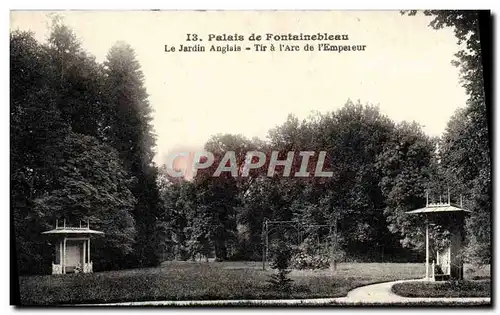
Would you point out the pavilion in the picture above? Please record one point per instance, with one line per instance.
(72, 248)
(451, 217)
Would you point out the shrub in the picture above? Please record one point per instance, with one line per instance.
(281, 261)
(311, 255)
(301, 260)
(452, 288)
(477, 254)
(459, 285)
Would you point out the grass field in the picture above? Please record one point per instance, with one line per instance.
(467, 288)
(204, 281)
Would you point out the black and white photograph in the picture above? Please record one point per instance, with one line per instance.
(216, 158)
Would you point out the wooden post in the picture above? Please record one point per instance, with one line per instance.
(433, 275)
(299, 231)
(332, 252)
(84, 255)
(263, 245)
(267, 241)
(335, 228)
(88, 251)
(427, 250)
(334, 243)
(64, 257)
(449, 260)
(61, 257)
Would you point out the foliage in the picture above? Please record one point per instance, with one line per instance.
(130, 132)
(406, 165)
(311, 254)
(91, 185)
(281, 281)
(35, 130)
(302, 260)
(360, 143)
(467, 164)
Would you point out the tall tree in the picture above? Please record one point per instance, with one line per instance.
(352, 136)
(466, 167)
(219, 195)
(128, 129)
(406, 164)
(36, 128)
(78, 80)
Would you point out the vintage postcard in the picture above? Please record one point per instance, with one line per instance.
(251, 158)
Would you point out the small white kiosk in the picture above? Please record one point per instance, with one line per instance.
(72, 248)
(451, 217)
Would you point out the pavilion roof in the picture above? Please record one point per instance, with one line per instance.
(72, 230)
(439, 207)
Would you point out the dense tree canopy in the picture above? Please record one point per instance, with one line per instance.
(377, 166)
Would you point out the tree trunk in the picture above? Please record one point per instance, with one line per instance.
(220, 250)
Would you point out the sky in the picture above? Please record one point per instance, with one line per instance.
(405, 69)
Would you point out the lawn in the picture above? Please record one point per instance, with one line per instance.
(477, 283)
(464, 288)
(204, 281)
